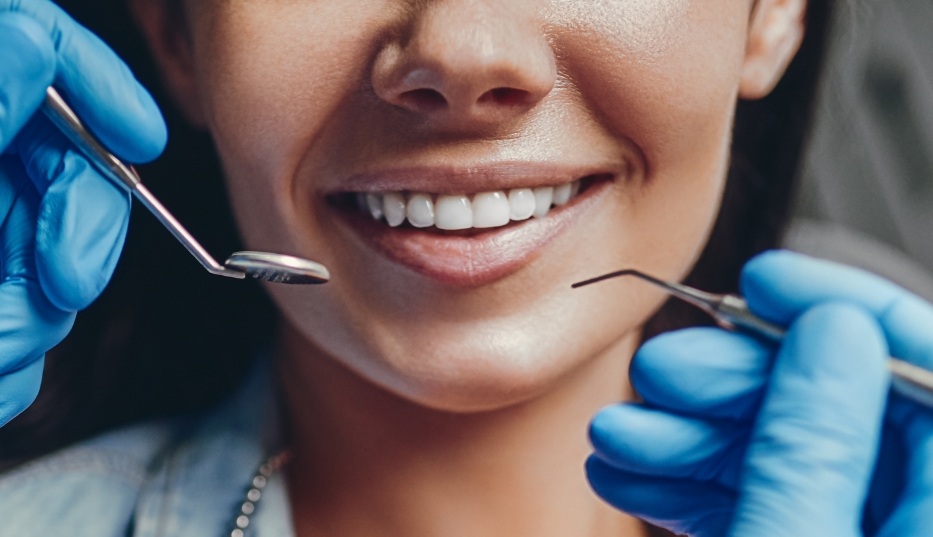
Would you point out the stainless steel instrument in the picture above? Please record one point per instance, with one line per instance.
(731, 312)
(260, 265)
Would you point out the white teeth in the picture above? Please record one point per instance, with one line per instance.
(490, 209)
(454, 212)
(544, 196)
(393, 206)
(574, 189)
(374, 204)
(561, 195)
(521, 203)
(420, 210)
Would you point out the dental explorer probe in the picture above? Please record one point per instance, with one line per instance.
(731, 312)
(277, 268)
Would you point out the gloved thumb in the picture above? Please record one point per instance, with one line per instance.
(80, 233)
(816, 437)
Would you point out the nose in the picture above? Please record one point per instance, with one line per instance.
(467, 63)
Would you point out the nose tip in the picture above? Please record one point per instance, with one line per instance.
(485, 70)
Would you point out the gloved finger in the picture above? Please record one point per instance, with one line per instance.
(9, 187)
(703, 372)
(18, 389)
(82, 222)
(682, 506)
(29, 324)
(81, 230)
(816, 437)
(97, 84)
(780, 285)
(28, 59)
(651, 442)
(889, 475)
(912, 515)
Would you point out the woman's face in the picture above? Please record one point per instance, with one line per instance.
(485, 108)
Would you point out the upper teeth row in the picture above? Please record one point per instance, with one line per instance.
(460, 211)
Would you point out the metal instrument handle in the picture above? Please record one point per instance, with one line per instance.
(63, 117)
(909, 380)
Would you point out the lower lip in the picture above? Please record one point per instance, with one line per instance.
(470, 261)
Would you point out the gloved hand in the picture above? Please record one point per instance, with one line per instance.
(62, 224)
(738, 437)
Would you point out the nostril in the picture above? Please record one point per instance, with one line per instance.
(423, 99)
(505, 97)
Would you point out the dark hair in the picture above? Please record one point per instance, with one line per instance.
(166, 338)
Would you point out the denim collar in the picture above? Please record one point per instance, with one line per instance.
(197, 489)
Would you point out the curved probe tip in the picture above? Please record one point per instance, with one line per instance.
(616, 274)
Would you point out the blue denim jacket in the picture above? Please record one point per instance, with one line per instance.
(180, 478)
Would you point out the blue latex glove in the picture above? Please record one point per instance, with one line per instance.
(62, 225)
(736, 437)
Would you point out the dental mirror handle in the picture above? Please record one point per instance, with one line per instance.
(63, 117)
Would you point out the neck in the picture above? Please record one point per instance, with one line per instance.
(368, 462)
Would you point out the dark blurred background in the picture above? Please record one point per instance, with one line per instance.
(866, 196)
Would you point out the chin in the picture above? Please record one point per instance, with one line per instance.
(486, 368)
(463, 382)
(458, 357)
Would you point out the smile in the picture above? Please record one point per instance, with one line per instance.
(453, 212)
(465, 229)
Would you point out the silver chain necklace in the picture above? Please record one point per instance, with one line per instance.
(260, 479)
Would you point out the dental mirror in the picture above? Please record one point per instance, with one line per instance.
(278, 268)
(270, 267)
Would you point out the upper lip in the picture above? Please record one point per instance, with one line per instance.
(470, 179)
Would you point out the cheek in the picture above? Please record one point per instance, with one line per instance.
(663, 77)
(271, 74)
(666, 79)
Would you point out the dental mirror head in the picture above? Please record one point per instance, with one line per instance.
(278, 268)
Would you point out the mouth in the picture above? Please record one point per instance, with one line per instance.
(462, 212)
(465, 239)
